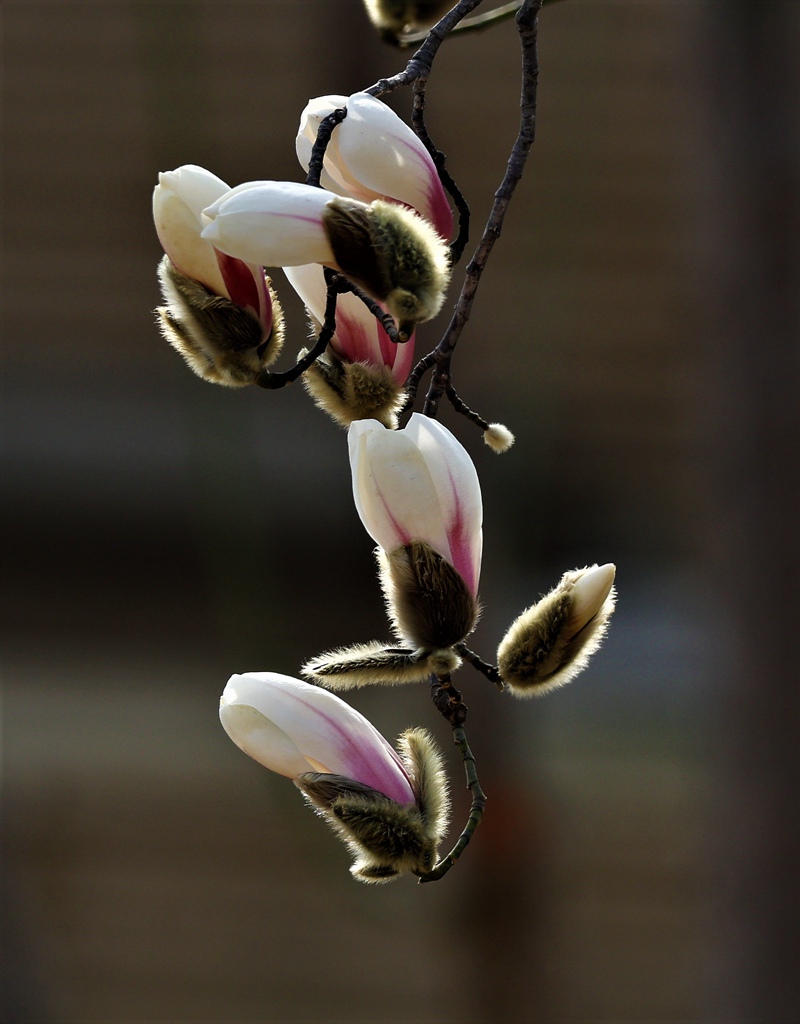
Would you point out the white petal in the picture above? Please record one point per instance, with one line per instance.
(373, 154)
(328, 734)
(315, 112)
(178, 200)
(458, 492)
(359, 338)
(395, 495)
(590, 592)
(271, 223)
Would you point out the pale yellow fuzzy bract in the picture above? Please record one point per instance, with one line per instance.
(394, 254)
(377, 663)
(354, 391)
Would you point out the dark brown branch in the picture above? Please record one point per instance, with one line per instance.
(324, 133)
(439, 159)
(527, 24)
(272, 381)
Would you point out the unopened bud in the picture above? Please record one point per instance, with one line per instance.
(354, 391)
(387, 838)
(498, 437)
(221, 341)
(552, 641)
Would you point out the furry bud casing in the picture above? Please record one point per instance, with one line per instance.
(552, 641)
(378, 663)
(387, 838)
(428, 602)
(221, 341)
(354, 391)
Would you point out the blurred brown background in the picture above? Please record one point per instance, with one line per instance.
(637, 329)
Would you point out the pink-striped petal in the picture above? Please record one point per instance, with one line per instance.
(270, 223)
(293, 727)
(359, 338)
(373, 154)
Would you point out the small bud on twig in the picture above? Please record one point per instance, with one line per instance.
(498, 437)
(552, 641)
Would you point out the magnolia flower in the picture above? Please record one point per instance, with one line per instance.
(361, 375)
(293, 728)
(220, 313)
(372, 155)
(390, 809)
(389, 251)
(552, 641)
(418, 484)
(418, 496)
(178, 201)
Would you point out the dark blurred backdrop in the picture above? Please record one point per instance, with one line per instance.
(637, 329)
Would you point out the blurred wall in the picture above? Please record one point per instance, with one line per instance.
(636, 328)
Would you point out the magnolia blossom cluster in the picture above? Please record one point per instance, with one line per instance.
(381, 218)
(417, 493)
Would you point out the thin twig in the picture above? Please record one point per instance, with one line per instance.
(439, 159)
(272, 381)
(527, 28)
(463, 409)
(420, 64)
(324, 132)
(490, 671)
(476, 24)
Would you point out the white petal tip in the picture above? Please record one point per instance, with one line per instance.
(591, 590)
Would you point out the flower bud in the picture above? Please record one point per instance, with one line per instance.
(373, 155)
(393, 17)
(292, 727)
(418, 484)
(362, 373)
(221, 341)
(552, 641)
(390, 252)
(221, 314)
(498, 437)
(390, 807)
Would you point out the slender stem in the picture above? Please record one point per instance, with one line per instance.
(439, 159)
(527, 27)
(420, 64)
(271, 381)
(324, 133)
(490, 671)
(462, 408)
(475, 24)
(475, 812)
